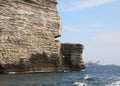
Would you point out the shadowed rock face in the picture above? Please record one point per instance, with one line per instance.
(72, 56)
(28, 29)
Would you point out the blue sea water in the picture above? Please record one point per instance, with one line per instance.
(92, 76)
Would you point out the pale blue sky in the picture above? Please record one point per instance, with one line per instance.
(95, 24)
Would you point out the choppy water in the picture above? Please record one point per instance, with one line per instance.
(92, 76)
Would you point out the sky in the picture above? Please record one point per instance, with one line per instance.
(95, 24)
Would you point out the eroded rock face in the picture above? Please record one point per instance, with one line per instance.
(28, 29)
(72, 56)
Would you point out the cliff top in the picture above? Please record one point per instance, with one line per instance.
(31, 0)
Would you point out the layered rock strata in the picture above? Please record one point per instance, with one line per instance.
(28, 29)
(72, 56)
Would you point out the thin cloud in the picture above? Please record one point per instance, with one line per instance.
(74, 29)
(107, 44)
(93, 27)
(109, 37)
(79, 5)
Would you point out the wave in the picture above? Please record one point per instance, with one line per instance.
(116, 78)
(79, 84)
(116, 83)
(87, 77)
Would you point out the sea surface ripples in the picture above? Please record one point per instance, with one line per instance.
(92, 76)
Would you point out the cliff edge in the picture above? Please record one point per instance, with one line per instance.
(28, 29)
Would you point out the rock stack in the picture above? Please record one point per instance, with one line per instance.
(72, 56)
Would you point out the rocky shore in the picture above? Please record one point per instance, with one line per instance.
(28, 29)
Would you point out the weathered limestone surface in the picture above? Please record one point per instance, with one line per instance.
(28, 29)
(72, 56)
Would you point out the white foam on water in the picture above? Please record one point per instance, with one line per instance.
(116, 83)
(79, 84)
(87, 76)
(12, 73)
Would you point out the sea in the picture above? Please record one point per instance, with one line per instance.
(108, 75)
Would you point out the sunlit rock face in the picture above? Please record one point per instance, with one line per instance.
(28, 29)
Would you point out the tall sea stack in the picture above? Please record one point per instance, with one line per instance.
(28, 29)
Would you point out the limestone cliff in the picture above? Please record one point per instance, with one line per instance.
(28, 29)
